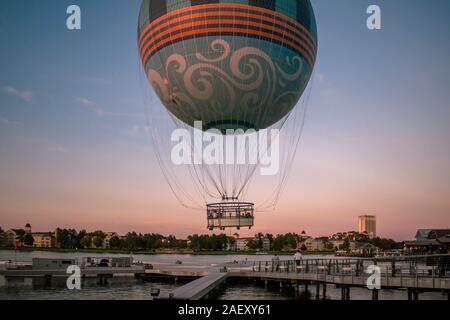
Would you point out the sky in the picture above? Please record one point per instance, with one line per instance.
(74, 152)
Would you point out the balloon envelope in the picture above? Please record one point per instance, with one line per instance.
(231, 63)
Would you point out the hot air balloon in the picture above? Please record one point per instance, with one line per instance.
(229, 65)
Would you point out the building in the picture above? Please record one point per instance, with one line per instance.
(182, 243)
(421, 246)
(107, 239)
(429, 241)
(266, 244)
(444, 243)
(368, 224)
(241, 243)
(44, 240)
(301, 241)
(314, 244)
(427, 234)
(363, 249)
(337, 243)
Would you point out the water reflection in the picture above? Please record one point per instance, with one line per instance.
(239, 291)
(117, 289)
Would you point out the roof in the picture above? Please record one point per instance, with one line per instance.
(245, 239)
(365, 245)
(312, 240)
(423, 234)
(439, 233)
(43, 234)
(444, 239)
(27, 225)
(421, 243)
(112, 234)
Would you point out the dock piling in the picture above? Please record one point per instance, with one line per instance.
(318, 291)
(375, 294)
(48, 280)
(345, 293)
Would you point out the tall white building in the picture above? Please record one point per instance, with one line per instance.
(368, 224)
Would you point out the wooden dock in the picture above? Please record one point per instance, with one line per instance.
(412, 274)
(177, 272)
(387, 282)
(200, 288)
(48, 275)
(85, 272)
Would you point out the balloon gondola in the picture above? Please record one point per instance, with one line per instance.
(231, 65)
(230, 214)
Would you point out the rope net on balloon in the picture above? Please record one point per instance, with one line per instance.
(255, 90)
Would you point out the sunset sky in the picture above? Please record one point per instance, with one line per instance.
(74, 152)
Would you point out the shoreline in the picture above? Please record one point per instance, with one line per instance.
(165, 252)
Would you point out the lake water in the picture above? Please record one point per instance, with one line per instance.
(132, 289)
(164, 259)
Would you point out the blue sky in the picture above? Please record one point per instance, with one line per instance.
(73, 150)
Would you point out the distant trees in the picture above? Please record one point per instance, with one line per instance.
(231, 242)
(97, 238)
(209, 242)
(345, 245)
(20, 234)
(257, 243)
(385, 244)
(290, 241)
(79, 237)
(133, 241)
(86, 241)
(286, 241)
(71, 239)
(67, 238)
(254, 245)
(28, 240)
(115, 243)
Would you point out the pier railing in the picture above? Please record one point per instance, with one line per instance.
(436, 266)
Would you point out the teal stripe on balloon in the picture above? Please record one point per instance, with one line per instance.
(173, 5)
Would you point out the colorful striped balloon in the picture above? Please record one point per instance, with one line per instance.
(228, 63)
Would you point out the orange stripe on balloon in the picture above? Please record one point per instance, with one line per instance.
(224, 14)
(218, 30)
(228, 6)
(217, 21)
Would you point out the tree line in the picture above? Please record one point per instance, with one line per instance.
(72, 239)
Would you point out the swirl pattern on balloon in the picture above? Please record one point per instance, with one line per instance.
(229, 85)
